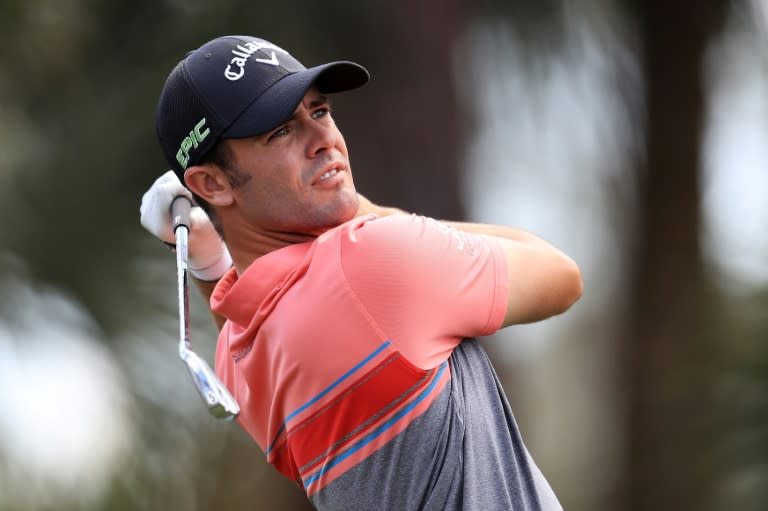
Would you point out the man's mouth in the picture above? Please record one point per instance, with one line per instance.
(328, 174)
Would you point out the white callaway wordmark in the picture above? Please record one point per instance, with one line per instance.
(244, 51)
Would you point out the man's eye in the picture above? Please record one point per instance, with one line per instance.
(320, 112)
(281, 132)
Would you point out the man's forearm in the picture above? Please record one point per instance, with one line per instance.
(501, 231)
(367, 207)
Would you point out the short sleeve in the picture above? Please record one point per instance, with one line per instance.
(426, 284)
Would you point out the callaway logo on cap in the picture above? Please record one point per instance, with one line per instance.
(242, 53)
(234, 87)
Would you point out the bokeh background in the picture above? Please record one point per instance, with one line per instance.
(633, 134)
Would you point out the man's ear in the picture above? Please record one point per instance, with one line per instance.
(208, 182)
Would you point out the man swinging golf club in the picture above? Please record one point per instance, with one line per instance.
(348, 327)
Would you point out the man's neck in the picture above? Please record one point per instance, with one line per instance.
(246, 247)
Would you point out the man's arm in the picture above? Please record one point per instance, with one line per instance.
(208, 256)
(367, 207)
(543, 281)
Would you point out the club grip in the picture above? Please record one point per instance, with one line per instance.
(180, 209)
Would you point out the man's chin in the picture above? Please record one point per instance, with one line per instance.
(347, 206)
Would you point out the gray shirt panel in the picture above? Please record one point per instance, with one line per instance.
(464, 453)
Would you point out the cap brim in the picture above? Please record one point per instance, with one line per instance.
(278, 103)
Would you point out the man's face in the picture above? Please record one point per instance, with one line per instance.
(296, 178)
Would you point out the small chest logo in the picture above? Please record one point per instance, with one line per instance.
(236, 67)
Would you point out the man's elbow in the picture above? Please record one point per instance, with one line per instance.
(547, 286)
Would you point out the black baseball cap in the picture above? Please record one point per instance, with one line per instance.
(235, 87)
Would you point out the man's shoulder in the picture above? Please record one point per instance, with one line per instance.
(369, 228)
(369, 235)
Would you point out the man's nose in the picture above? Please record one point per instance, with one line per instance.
(321, 138)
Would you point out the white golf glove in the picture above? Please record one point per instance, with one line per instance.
(208, 257)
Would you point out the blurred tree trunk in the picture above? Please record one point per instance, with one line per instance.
(406, 149)
(670, 351)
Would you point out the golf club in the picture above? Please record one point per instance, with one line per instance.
(220, 402)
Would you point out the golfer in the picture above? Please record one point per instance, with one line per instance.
(348, 328)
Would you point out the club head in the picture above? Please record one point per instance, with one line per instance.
(217, 398)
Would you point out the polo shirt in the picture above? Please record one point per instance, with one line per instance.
(354, 363)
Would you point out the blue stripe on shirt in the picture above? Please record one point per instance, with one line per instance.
(378, 431)
(324, 392)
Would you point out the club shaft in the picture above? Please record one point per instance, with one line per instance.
(220, 402)
(182, 248)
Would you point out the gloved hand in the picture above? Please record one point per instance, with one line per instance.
(208, 257)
